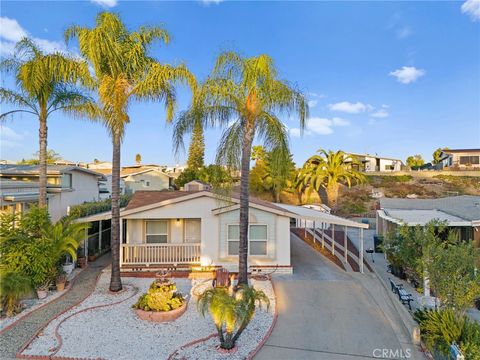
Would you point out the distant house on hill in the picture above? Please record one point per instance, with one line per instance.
(145, 179)
(460, 158)
(196, 185)
(369, 163)
(66, 186)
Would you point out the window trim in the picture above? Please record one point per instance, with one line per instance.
(166, 234)
(249, 240)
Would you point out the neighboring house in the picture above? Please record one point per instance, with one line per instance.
(145, 179)
(99, 165)
(66, 186)
(370, 163)
(460, 212)
(460, 158)
(196, 185)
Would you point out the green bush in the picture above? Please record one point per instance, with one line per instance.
(161, 296)
(440, 329)
(13, 285)
(95, 207)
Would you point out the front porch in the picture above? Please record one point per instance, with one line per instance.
(151, 255)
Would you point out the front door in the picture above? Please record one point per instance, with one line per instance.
(193, 231)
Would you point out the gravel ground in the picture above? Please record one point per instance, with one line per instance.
(115, 332)
(30, 305)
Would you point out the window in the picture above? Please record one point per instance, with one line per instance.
(467, 160)
(233, 238)
(156, 231)
(257, 242)
(67, 181)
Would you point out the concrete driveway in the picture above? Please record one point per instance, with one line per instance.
(325, 313)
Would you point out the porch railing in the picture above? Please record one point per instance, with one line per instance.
(158, 254)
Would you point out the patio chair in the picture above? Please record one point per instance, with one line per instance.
(222, 278)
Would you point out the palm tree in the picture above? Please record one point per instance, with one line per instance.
(46, 84)
(124, 71)
(244, 96)
(279, 172)
(231, 311)
(326, 171)
(66, 237)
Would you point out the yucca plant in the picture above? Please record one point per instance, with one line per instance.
(13, 285)
(231, 311)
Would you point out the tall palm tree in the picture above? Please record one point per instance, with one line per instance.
(326, 171)
(46, 84)
(124, 71)
(244, 96)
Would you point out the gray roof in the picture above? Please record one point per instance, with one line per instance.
(9, 169)
(465, 206)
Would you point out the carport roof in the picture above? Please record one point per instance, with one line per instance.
(304, 213)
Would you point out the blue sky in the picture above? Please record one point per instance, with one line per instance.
(393, 78)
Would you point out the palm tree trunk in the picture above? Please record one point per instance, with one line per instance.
(42, 157)
(244, 201)
(115, 280)
(332, 195)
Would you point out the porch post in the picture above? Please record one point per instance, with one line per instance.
(360, 258)
(85, 245)
(333, 239)
(305, 228)
(345, 243)
(314, 233)
(323, 235)
(100, 236)
(121, 243)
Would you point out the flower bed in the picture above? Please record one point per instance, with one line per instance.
(104, 326)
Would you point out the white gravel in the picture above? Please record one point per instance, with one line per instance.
(30, 305)
(115, 332)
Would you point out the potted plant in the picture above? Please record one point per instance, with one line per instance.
(68, 265)
(161, 303)
(42, 289)
(60, 280)
(82, 262)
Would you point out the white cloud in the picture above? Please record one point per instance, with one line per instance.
(380, 114)
(295, 132)
(208, 2)
(9, 137)
(320, 126)
(312, 103)
(404, 32)
(11, 32)
(105, 3)
(472, 8)
(340, 122)
(408, 74)
(348, 107)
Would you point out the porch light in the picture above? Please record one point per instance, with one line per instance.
(178, 220)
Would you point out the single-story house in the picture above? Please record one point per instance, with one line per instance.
(66, 186)
(199, 228)
(460, 158)
(460, 212)
(369, 163)
(196, 185)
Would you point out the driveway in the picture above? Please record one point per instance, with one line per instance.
(326, 313)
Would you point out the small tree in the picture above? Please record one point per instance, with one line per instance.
(415, 161)
(231, 311)
(138, 159)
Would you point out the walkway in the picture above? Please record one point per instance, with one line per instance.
(12, 340)
(326, 313)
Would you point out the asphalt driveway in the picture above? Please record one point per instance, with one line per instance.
(326, 313)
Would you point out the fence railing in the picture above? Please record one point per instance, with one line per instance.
(158, 254)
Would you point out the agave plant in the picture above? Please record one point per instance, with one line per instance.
(13, 285)
(231, 311)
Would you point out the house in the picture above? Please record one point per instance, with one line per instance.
(196, 185)
(460, 158)
(145, 178)
(199, 228)
(369, 163)
(66, 186)
(460, 212)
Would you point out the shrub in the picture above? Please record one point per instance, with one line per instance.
(161, 296)
(95, 207)
(442, 328)
(13, 285)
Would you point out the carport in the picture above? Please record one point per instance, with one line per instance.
(315, 222)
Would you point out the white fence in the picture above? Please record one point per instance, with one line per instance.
(158, 254)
